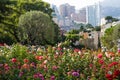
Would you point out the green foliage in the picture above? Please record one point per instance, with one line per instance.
(11, 10)
(116, 32)
(73, 31)
(89, 26)
(36, 27)
(111, 36)
(97, 28)
(66, 44)
(18, 62)
(72, 37)
(111, 19)
(107, 39)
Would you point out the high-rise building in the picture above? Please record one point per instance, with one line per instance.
(98, 14)
(55, 14)
(63, 11)
(93, 14)
(82, 15)
(66, 10)
(79, 16)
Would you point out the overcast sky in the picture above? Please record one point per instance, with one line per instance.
(112, 3)
(77, 3)
(82, 3)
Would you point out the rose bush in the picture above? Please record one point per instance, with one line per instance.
(18, 62)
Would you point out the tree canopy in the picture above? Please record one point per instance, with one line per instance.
(36, 28)
(11, 10)
(111, 19)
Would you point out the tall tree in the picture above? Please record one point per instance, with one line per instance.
(16, 9)
(111, 19)
(36, 28)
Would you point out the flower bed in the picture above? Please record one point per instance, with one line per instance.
(54, 63)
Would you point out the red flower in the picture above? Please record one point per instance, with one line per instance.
(2, 44)
(26, 60)
(14, 60)
(91, 65)
(113, 64)
(118, 51)
(100, 55)
(101, 61)
(116, 73)
(76, 50)
(39, 57)
(109, 76)
(59, 48)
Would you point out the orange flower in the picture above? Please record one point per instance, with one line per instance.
(25, 66)
(26, 60)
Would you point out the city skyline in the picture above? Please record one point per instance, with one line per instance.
(77, 3)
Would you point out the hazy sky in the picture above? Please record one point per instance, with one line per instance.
(111, 3)
(77, 3)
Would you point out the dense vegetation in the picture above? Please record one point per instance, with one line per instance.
(110, 39)
(36, 28)
(19, 62)
(10, 12)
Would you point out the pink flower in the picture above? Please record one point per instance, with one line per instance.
(32, 65)
(76, 50)
(69, 73)
(14, 60)
(54, 68)
(35, 76)
(100, 55)
(52, 78)
(38, 75)
(20, 74)
(75, 74)
(6, 67)
(59, 48)
(119, 51)
(1, 65)
(40, 57)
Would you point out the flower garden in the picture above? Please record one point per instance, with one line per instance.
(19, 62)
